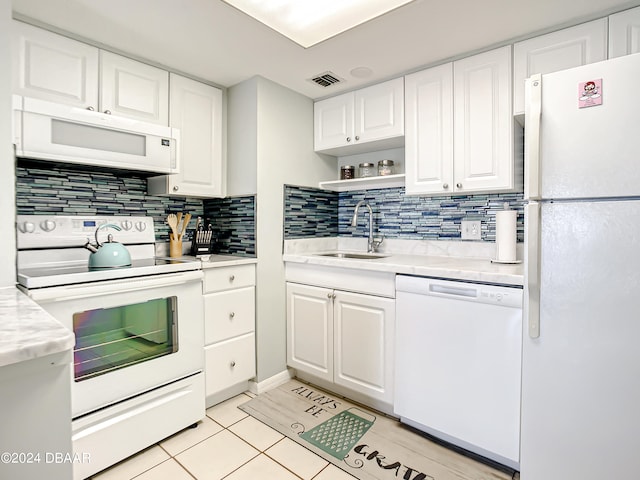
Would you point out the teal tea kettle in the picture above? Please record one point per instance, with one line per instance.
(109, 254)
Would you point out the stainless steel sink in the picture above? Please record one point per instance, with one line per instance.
(359, 256)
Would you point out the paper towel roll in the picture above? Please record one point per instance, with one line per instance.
(506, 235)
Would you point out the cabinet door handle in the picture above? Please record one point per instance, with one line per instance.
(329, 295)
(232, 278)
(348, 139)
(231, 315)
(445, 186)
(233, 363)
(90, 108)
(458, 185)
(108, 112)
(357, 138)
(176, 188)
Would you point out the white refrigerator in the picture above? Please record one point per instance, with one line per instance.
(581, 344)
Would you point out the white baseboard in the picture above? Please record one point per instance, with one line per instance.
(272, 382)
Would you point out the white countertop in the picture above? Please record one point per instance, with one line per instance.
(213, 261)
(453, 266)
(27, 331)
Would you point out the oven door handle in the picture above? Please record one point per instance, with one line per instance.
(71, 292)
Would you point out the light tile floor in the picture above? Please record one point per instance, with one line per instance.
(227, 444)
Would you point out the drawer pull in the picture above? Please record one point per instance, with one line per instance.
(232, 278)
(231, 315)
(233, 363)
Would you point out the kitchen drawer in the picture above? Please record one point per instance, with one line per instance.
(229, 363)
(229, 314)
(225, 278)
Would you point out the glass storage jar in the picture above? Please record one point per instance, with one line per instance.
(347, 172)
(366, 170)
(385, 167)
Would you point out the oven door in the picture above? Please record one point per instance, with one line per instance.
(132, 335)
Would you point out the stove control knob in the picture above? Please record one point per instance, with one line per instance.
(141, 226)
(126, 225)
(26, 227)
(48, 225)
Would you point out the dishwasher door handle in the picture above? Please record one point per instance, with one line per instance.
(453, 291)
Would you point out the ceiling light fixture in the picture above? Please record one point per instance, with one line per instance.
(308, 22)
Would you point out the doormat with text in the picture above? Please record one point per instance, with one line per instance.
(365, 443)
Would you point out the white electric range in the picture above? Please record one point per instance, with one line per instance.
(137, 374)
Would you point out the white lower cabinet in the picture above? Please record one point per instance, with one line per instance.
(229, 330)
(343, 338)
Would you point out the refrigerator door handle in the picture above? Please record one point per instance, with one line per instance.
(532, 269)
(533, 112)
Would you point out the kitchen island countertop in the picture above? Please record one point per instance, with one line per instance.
(27, 331)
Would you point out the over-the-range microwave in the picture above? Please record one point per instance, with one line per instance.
(45, 130)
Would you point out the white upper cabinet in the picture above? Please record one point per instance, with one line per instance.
(624, 33)
(365, 120)
(483, 134)
(429, 131)
(333, 122)
(460, 133)
(53, 68)
(567, 48)
(133, 89)
(196, 109)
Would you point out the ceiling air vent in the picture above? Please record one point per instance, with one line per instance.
(326, 79)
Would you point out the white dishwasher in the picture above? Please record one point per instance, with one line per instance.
(458, 363)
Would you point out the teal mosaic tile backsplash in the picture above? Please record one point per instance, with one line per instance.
(73, 191)
(233, 221)
(396, 215)
(57, 190)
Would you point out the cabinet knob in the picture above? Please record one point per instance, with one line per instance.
(108, 112)
(232, 314)
(233, 363)
(232, 278)
(357, 138)
(90, 108)
(445, 186)
(458, 185)
(176, 188)
(329, 295)
(348, 139)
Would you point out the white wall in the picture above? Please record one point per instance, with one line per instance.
(7, 161)
(284, 154)
(242, 141)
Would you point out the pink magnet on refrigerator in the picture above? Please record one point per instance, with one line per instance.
(590, 93)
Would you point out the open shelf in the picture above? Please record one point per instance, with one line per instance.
(368, 183)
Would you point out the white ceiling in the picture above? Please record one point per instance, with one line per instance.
(212, 41)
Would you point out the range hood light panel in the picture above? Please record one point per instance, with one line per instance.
(307, 22)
